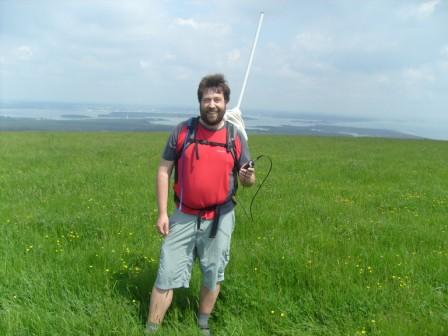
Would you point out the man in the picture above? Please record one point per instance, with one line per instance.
(208, 155)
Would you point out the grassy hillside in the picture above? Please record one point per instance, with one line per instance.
(350, 238)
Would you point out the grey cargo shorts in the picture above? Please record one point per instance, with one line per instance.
(188, 240)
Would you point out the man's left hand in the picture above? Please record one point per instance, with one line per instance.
(247, 176)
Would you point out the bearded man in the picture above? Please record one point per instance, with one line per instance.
(209, 156)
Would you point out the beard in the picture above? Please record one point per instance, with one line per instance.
(212, 116)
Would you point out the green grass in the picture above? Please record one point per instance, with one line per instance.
(350, 238)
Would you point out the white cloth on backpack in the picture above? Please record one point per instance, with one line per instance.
(234, 116)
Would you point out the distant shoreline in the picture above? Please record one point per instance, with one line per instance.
(117, 123)
(54, 116)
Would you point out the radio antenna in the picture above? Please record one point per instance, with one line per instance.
(249, 65)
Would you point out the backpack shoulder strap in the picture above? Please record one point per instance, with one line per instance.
(192, 128)
(190, 137)
(192, 124)
(231, 147)
(230, 136)
(232, 133)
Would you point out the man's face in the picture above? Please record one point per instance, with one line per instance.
(212, 107)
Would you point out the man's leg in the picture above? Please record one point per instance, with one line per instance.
(160, 302)
(213, 255)
(176, 260)
(208, 299)
(206, 303)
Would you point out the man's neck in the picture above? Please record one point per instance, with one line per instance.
(212, 127)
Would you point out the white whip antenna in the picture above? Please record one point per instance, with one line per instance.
(234, 115)
(246, 76)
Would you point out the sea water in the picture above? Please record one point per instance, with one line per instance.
(255, 120)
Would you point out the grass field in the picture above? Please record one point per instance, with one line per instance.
(350, 238)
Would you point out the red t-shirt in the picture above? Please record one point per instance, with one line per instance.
(207, 181)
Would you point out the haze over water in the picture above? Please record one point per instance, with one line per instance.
(170, 116)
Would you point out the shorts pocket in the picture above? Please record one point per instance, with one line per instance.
(225, 257)
(173, 219)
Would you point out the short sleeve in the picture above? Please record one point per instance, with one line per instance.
(170, 150)
(244, 155)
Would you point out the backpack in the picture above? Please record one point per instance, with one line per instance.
(190, 139)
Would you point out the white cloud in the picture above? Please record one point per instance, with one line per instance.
(313, 41)
(381, 78)
(444, 51)
(422, 11)
(233, 56)
(170, 57)
(203, 26)
(182, 73)
(143, 64)
(187, 22)
(23, 52)
(444, 66)
(427, 8)
(418, 75)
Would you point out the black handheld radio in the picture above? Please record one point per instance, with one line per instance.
(249, 164)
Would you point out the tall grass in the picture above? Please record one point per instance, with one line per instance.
(349, 238)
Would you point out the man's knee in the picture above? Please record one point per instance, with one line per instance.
(161, 294)
(162, 291)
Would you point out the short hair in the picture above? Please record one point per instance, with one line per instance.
(216, 81)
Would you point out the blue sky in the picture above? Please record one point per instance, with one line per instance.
(374, 58)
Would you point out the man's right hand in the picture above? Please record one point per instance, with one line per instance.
(163, 224)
